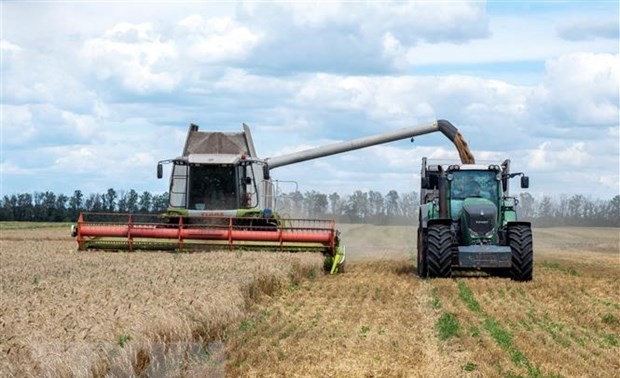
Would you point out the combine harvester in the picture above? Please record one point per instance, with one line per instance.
(221, 198)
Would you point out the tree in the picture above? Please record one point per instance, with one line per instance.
(122, 202)
(357, 207)
(75, 203)
(109, 199)
(409, 206)
(545, 211)
(93, 203)
(526, 206)
(61, 208)
(145, 202)
(334, 200)
(132, 201)
(315, 204)
(377, 207)
(9, 206)
(392, 208)
(25, 207)
(160, 203)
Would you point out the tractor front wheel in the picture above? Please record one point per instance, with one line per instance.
(422, 253)
(439, 251)
(520, 239)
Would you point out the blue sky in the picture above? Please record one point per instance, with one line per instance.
(95, 93)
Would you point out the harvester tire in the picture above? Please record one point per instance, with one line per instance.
(422, 253)
(439, 251)
(520, 239)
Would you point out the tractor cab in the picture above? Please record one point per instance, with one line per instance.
(474, 199)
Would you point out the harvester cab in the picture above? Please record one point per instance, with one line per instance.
(218, 175)
(468, 220)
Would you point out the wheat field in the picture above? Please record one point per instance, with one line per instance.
(82, 314)
(379, 320)
(69, 313)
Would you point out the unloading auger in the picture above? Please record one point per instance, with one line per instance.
(221, 197)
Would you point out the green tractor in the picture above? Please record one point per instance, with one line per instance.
(468, 221)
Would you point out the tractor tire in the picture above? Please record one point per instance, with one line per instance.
(520, 240)
(439, 251)
(422, 253)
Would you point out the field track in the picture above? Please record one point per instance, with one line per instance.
(71, 314)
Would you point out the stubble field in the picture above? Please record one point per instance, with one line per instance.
(67, 313)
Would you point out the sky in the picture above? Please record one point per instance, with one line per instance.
(94, 94)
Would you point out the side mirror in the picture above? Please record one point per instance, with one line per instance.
(266, 175)
(160, 171)
(525, 182)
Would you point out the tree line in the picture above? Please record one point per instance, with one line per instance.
(359, 207)
(51, 207)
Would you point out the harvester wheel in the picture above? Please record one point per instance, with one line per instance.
(422, 253)
(520, 239)
(439, 251)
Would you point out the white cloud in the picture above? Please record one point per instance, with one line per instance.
(136, 55)
(512, 39)
(84, 125)
(10, 169)
(117, 93)
(8, 47)
(16, 123)
(580, 89)
(554, 155)
(218, 40)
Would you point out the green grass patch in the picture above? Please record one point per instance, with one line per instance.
(123, 339)
(468, 297)
(609, 304)
(435, 301)
(555, 266)
(447, 326)
(502, 337)
(610, 319)
(474, 331)
(364, 331)
(247, 325)
(469, 366)
(610, 340)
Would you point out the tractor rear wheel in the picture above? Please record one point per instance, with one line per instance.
(422, 253)
(439, 251)
(520, 239)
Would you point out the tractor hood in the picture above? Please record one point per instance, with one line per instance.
(478, 219)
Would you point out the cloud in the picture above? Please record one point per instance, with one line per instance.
(110, 95)
(588, 29)
(136, 55)
(579, 89)
(218, 40)
(17, 126)
(341, 37)
(553, 155)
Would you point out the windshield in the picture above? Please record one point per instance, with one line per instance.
(467, 184)
(213, 187)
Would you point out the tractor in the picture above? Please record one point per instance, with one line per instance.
(468, 221)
